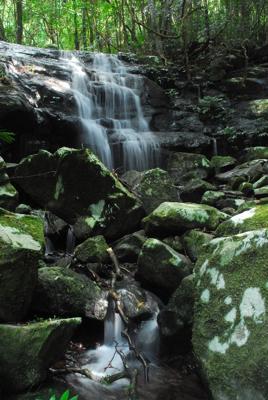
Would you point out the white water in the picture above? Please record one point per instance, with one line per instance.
(109, 107)
(70, 241)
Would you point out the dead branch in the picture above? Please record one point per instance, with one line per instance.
(138, 355)
(115, 261)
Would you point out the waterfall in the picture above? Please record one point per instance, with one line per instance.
(70, 240)
(109, 107)
(215, 146)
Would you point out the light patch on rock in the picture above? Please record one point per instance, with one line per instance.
(15, 238)
(240, 335)
(216, 277)
(250, 239)
(228, 300)
(253, 305)
(203, 268)
(216, 346)
(205, 296)
(231, 316)
(240, 218)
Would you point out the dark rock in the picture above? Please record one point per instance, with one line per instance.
(127, 249)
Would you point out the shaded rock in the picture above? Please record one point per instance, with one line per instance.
(178, 314)
(194, 190)
(65, 293)
(131, 178)
(194, 241)
(127, 249)
(241, 86)
(230, 316)
(21, 244)
(180, 164)
(211, 197)
(27, 351)
(263, 181)
(59, 183)
(251, 219)
(155, 187)
(249, 171)
(246, 188)
(256, 153)
(92, 250)
(161, 268)
(174, 242)
(23, 209)
(182, 140)
(223, 163)
(8, 197)
(261, 192)
(176, 218)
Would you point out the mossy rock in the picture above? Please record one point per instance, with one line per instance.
(8, 197)
(155, 187)
(161, 268)
(246, 188)
(176, 218)
(230, 331)
(211, 197)
(27, 351)
(223, 163)
(263, 181)
(92, 250)
(247, 172)
(62, 292)
(21, 245)
(181, 164)
(256, 153)
(251, 219)
(194, 242)
(127, 249)
(76, 186)
(261, 192)
(174, 242)
(194, 190)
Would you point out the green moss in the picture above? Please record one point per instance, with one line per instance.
(92, 250)
(220, 162)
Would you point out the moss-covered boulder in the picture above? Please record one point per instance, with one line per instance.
(8, 197)
(21, 245)
(161, 268)
(155, 187)
(173, 218)
(194, 190)
(230, 333)
(127, 249)
(223, 163)
(27, 351)
(246, 172)
(77, 187)
(211, 197)
(261, 192)
(251, 219)
(256, 153)
(194, 242)
(62, 292)
(92, 250)
(180, 165)
(263, 181)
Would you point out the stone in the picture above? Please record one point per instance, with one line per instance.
(263, 181)
(27, 351)
(21, 246)
(194, 190)
(180, 164)
(211, 197)
(194, 242)
(174, 242)
(176, 218)
(155, 187)
(251, 219)
(223, 163)
(246, 188)
(77, 187)
(161, 268)
(230, 329)
(8, 197)
(256, 153)
(178, 314)
(23, 209)
(261, 192)
(127, 249)
(92, 250)
(249, 171)
(62, 292)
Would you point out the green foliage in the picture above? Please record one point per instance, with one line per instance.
(64, 396)
(7, 137)
(212, 107)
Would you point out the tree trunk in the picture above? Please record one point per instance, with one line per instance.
(19, 22)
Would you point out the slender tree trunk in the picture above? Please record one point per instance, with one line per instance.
(2, 31)
(76, 36)
(19, 22)
(84, 25)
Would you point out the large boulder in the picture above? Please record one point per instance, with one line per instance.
(155, 187)
(230, 333)
(194, 242)
(27, 351)
(172, 218)
(249, 171)
(92, 250)
(161, 268)
(65, 293)
(255, 153)
(127, 249)
(77, 187)
(194, 190)
(251, 219)
(21, 245)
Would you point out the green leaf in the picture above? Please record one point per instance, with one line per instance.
(53, 398)
(65, 395)
(74, 398)
(7, 137)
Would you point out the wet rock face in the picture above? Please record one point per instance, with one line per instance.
(21, 245)
(230, 320)
(76, 186)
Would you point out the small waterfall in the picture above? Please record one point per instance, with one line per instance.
(148, 337)
(70, 240)
(109, 107)
(113, 326)
(214, 147)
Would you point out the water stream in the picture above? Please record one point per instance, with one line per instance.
(109, 106)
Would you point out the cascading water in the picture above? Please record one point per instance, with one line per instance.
(112, 121)
(70, 240)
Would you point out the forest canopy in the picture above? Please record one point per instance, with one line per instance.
(141, 26)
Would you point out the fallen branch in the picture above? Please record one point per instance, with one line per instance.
(138, 355)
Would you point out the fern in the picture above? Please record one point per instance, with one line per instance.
(64, 396)
(7, 137)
